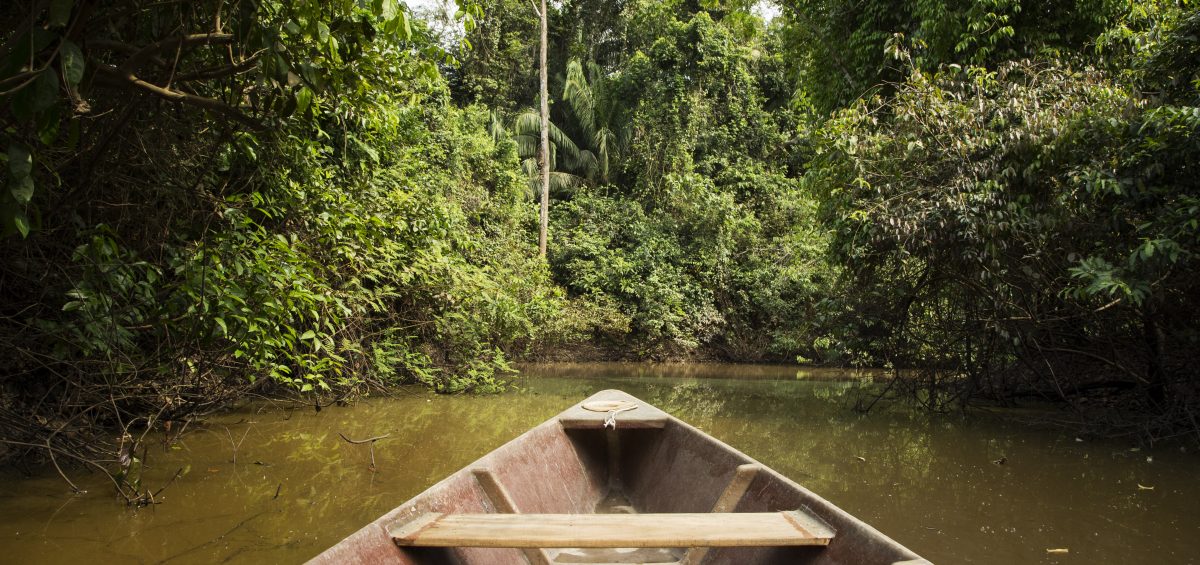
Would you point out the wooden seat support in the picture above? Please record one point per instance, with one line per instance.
(503, 503)
(729, 500)
(613, 530)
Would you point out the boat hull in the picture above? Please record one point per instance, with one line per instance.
(654, 462)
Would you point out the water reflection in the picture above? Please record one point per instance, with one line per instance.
(934, 483)
(699, 371)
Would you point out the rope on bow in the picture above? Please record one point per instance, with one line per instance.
(612, 407)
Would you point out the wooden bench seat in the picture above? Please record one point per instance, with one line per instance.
(742, 529)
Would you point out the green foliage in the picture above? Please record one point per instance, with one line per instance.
(841, 48)
(699, 237)
(499, 67)
(610, 248)
(315, 195)
(314, 217)
(734, 278)
(598, 116)
(996, 215)
(61, 56)
(331, 286)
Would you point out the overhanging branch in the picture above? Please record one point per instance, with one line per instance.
(124, 78)
(221, 72)
(136, 60)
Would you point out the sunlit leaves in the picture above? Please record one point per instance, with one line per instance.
(304, 98)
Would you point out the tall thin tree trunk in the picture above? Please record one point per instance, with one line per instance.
(544, 157)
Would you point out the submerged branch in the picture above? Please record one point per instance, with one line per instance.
(362, 441)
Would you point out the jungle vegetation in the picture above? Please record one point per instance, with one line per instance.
(205, 201)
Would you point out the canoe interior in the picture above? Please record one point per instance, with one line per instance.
(577, 467)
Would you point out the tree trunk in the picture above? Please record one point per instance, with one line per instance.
(544, 157)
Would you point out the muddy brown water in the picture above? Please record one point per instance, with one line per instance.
(931, 482)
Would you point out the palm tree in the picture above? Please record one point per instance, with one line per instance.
(569, 165)
(572, 164)
(566, 164)
(597, 113)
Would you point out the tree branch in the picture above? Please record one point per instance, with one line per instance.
(221, 72)
(130, 79)
(362, 441)
(136, 60)
(120, 47)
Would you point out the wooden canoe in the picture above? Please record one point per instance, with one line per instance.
(653, 490)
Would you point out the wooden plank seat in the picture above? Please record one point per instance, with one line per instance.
(742, 529)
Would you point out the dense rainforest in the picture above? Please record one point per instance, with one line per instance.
(206, 201)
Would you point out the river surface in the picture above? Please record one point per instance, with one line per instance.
(267, 484)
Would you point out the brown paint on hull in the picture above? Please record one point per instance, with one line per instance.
(562, 466)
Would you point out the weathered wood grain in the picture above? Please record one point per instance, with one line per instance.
(741, 529)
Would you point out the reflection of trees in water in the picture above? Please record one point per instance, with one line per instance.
(822, 441)
(695, 401)
(719, 371)
(804, 429)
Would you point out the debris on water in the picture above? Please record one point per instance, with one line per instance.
(1002, 460)
(1058, 551)
(1079, 440)
(262, 464)
(1144, 487)
(861, 458)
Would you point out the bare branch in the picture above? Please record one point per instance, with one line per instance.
(174, 44)
(221, 72)
(214, 105)
(362, 441)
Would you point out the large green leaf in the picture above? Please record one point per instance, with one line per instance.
(22, 189)
(45, 90)
(20, 161)
(389, 9)
(21, 222)
(72, 62)
(304, 98)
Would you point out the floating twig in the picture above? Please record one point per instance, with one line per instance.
(362, 441)
(236, 446)
(371, 441)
